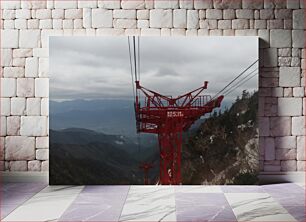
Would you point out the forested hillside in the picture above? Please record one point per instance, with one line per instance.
(224, 150)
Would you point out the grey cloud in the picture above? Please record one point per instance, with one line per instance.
(166, 71)
(97, 67)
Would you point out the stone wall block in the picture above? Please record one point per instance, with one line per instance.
(252, 4)
(19, 148)
(41, 87)
(269, 148)
(3, 126)
(280, 126)
(5, 106)
(289, 76)
(13, 125)
(136, 4)
(18, 106)
(9, 38)
(34, 165)
(299, 19)
(102, 18)
(286, 142)
(298, 126)
(109, 4)
(290, 106)
(166, 4)
(192, 19)
(66, 4)
(42, 142)
(160, 18)
(298, 38)
(33, 126)
(25, 87)
(301, 148)
(179, 18)
(10, 5)
(280, 38)
(18, 166)
(42, 154)
(285, 154)
(227, 4)
(288, 165)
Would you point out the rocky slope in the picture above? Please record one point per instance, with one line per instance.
(224, 150)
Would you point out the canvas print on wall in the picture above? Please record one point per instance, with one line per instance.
(153, 110)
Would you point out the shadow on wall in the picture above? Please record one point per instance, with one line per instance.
(280, 98)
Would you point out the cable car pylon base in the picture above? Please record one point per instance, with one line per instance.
(168, 118)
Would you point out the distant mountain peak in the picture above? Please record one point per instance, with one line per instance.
(76, 129)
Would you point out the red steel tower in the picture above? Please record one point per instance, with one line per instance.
(146, 167)
(168, 118)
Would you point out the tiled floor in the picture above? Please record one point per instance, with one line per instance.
(39, 202)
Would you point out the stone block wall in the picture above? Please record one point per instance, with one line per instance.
(26, 26)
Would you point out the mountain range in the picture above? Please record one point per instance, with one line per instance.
(95, 142)
(81, 156)
(107, 116)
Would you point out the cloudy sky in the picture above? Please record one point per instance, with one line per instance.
(98, 67)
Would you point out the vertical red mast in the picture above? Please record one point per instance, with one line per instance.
(145, 167)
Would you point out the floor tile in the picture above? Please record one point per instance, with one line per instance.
(149, 203)
(207, 213)
(298, 212)
(97, 198)
(242, 189)
(15, 194)
(203, 207)
(106, 189)
(6, 210)
(22, 187)
(92, 212)
(197, 189)
(291, 199)
(283, 188)
(257, 207)
(204, 199)
(47, 205)
(97, 203)
(301, 185)
(9, 198)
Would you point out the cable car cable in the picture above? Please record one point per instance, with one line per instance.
(241, 84)
(237, 83)
(235, 79)
(130, 57)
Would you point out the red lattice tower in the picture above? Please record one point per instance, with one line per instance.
(146, 167)
(168, 118)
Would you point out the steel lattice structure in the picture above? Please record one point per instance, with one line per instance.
(168, 118)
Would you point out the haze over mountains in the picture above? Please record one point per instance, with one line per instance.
(95, 142)
(115, 117)
(106, 116)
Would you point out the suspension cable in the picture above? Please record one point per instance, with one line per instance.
(237, 83)
(137, 77)
(131, 68)
(241, 84)
(135, 62)
(138, 71)
(138, 58)
(234, 79)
